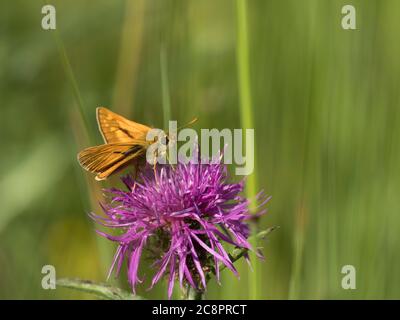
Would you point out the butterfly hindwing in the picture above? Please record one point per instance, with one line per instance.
(107, 158)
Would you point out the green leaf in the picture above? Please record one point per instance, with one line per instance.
(102, 290)
(237, 253)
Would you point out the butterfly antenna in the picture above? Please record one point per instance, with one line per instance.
(189, 123)
(185, 125)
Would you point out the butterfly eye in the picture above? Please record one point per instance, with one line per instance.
(164, 140)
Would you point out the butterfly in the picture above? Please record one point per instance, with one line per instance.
(124, 143)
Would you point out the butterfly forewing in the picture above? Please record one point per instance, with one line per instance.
(116, 129)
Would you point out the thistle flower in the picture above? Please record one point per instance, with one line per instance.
(182, 215)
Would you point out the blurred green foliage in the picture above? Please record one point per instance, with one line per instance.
(326, 116)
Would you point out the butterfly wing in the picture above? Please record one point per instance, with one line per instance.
(116, 129)
(108, 158)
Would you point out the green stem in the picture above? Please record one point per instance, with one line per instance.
(246, 115)
(74, 85)
(166, 100)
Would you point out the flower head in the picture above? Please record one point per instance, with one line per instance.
(182, 215)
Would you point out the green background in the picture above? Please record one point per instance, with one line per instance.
(324, 103)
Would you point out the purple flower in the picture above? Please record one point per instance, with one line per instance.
(181, 215)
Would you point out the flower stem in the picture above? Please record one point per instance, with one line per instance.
(193, 294)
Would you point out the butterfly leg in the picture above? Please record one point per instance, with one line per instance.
(135, 177)
(168, 162)
(154, 169)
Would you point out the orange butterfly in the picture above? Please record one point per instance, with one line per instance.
(125, 143)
